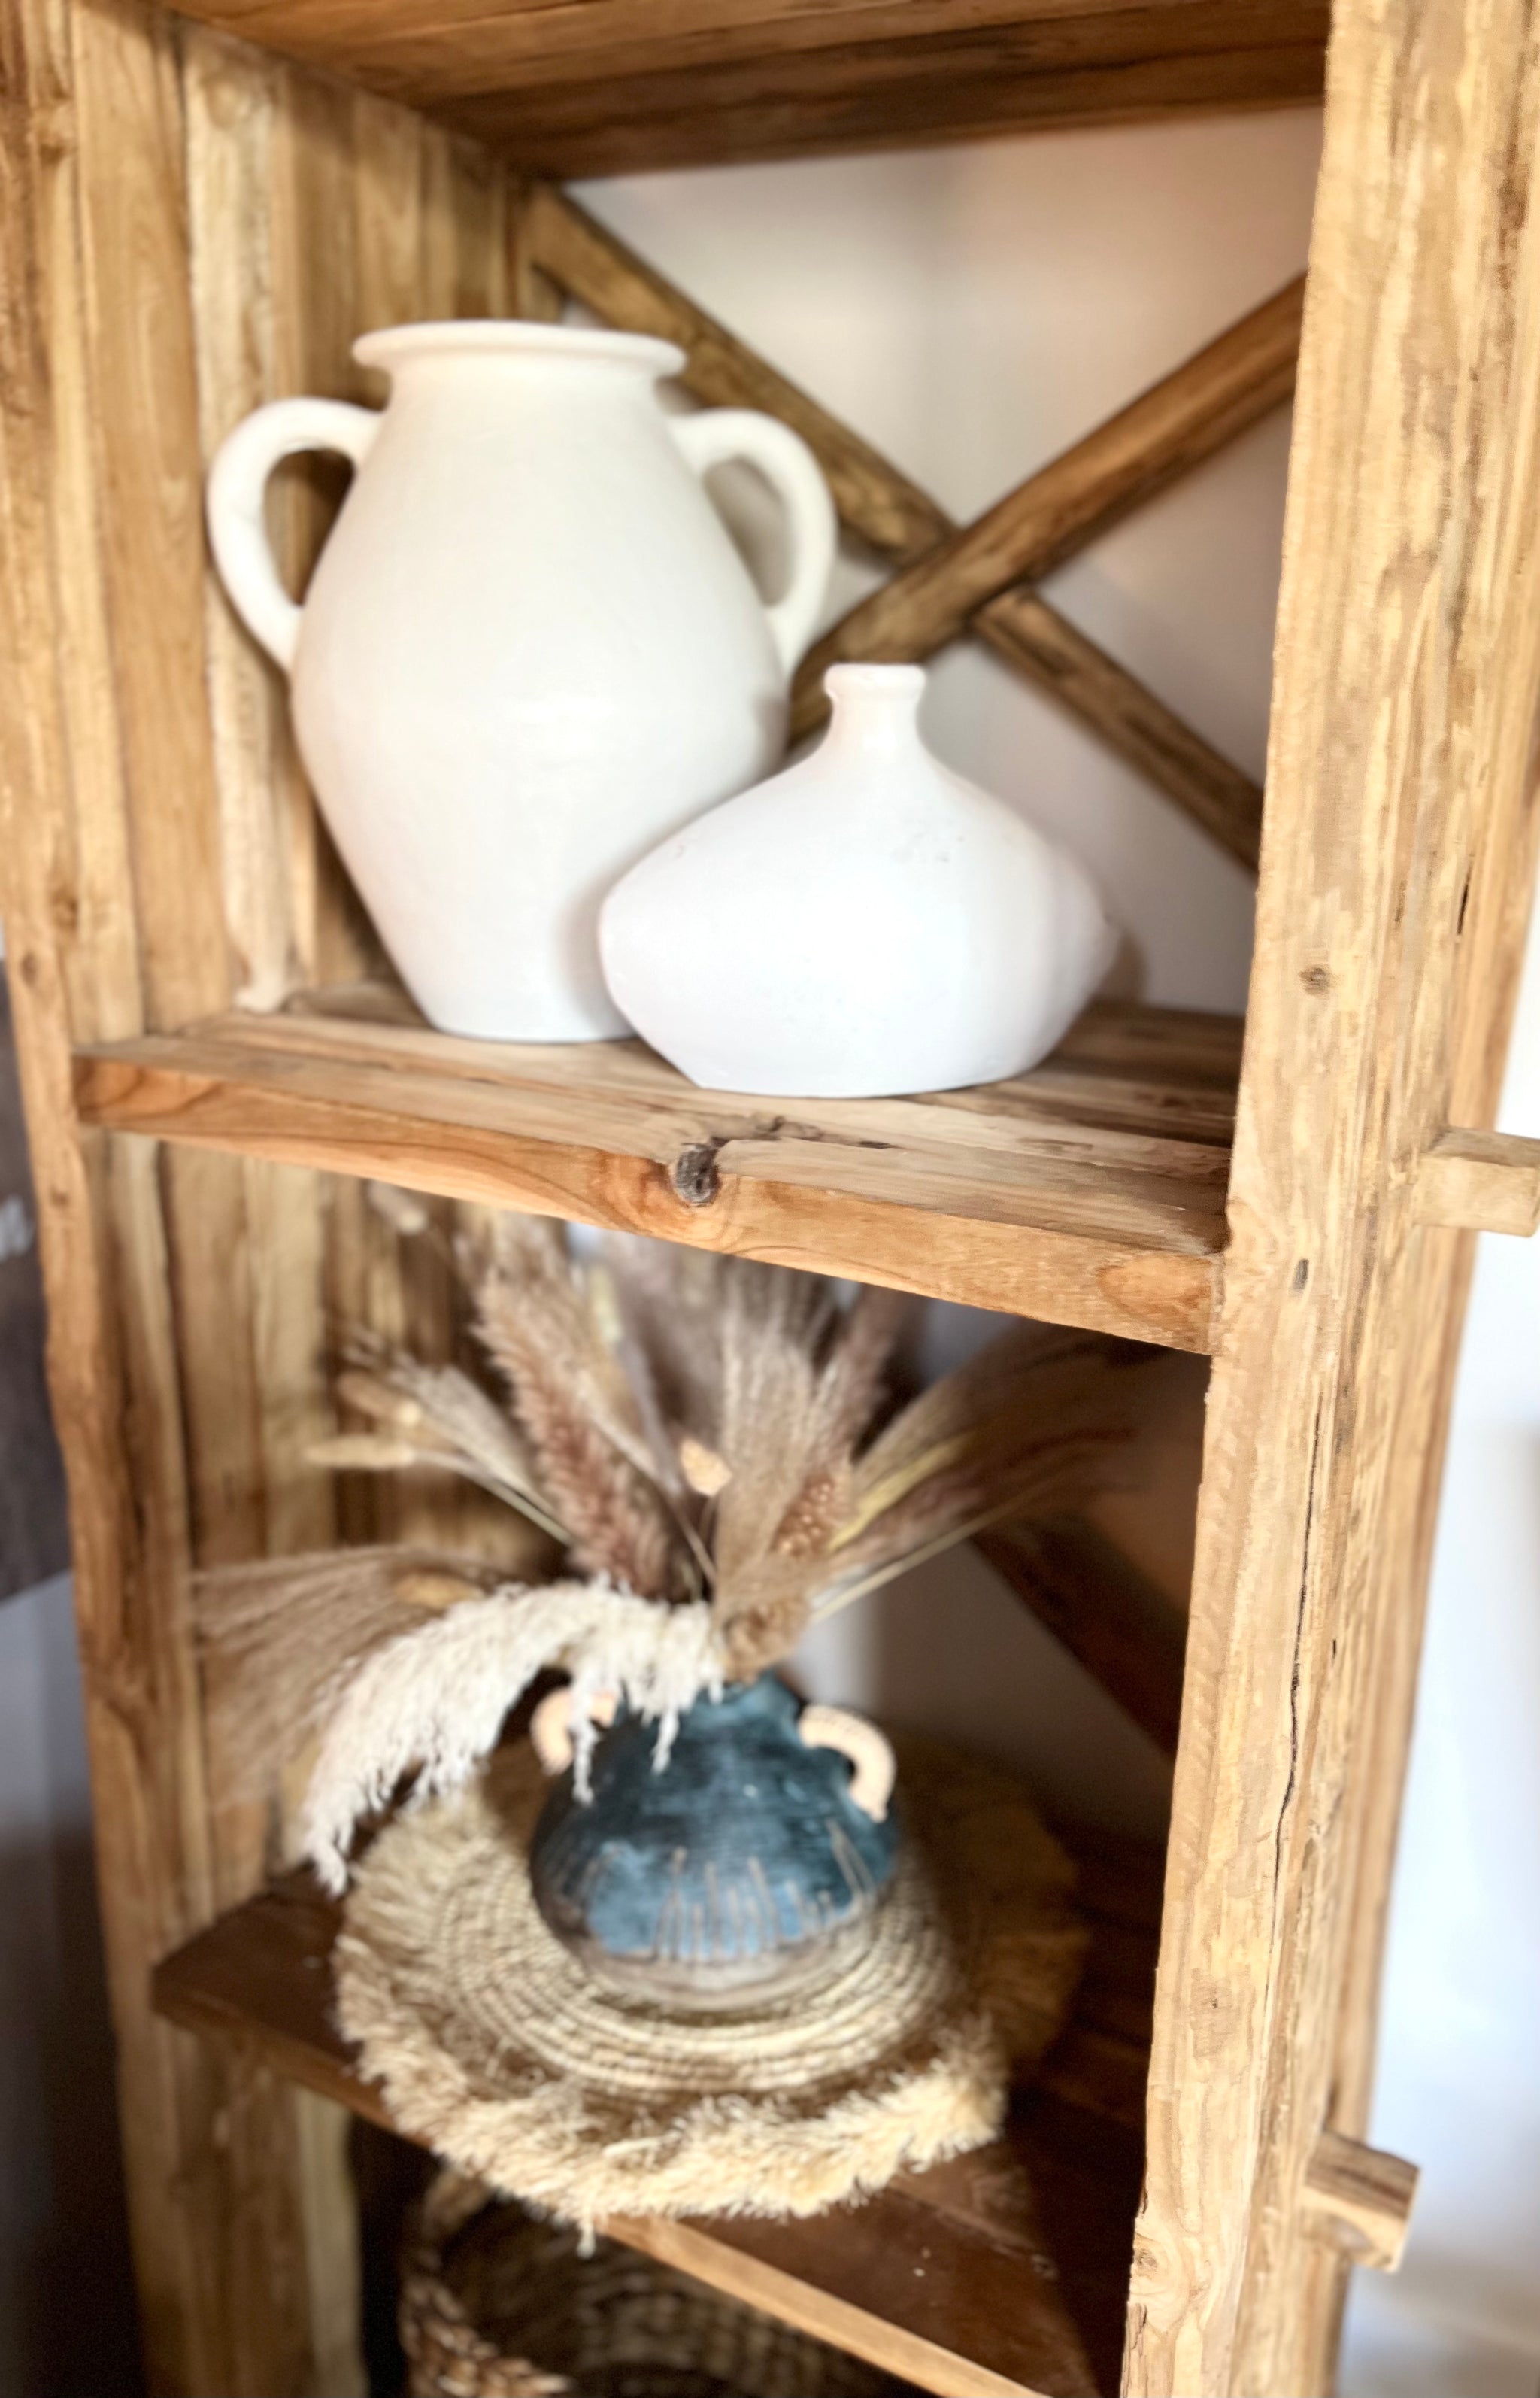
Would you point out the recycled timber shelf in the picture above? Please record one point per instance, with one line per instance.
(1089, 1191)
(617, 85)
(1001, 2273)
(200, 217)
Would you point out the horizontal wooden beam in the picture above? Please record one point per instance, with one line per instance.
(885, 508)
(614, 86)
(1482, 1183)
(1182, 420)
(1362, 2198)
(1089, 1191)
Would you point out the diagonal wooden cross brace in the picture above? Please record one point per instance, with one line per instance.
(1184, 418)
(1146, 446)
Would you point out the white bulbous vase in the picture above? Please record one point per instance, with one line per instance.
(530, 649)
(866, 924)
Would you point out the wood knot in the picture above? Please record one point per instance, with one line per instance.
(694, 1176)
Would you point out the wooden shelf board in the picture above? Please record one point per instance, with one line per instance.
(1001, 2273)
(621, 84)
(1089, 1191)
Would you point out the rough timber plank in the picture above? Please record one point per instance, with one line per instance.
(1397, 867)
(101, 514)
(156, 859)
(1021, 2250)
(1484, 1181)
(620, 85)
(1366, 2197)
(1089, 1191)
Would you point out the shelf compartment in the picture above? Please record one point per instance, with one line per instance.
(619, 86)
(1003, 2273)
(1091, 1192)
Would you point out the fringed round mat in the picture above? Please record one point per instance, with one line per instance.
(495, 2048)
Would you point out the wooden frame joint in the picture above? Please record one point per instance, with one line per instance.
(1362, 2198)
(1480, 1183)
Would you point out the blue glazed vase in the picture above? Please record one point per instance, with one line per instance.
(741, 1872)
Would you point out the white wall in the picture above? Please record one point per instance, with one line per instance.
(972, 311)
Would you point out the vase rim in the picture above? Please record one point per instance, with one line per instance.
(494, 336)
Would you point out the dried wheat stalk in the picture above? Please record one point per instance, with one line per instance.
(698, 1433)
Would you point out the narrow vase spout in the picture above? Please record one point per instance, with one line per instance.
(875, 706)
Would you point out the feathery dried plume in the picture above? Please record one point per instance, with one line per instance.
(431, 1702)
(680, 1422)
(280, 1638)
(672, 1307)
(773, 1323)
(437, 1418)
(614, 1523)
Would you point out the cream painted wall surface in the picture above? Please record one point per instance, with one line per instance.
(973, 311)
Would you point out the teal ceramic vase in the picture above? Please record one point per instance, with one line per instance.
(743, 1871)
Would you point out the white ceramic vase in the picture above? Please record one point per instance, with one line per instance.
(865, 925)
(530, 649)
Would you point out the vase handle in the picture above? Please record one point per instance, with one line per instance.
(794, 473)
(869, 1751)
(550, 1725)
(238, 488)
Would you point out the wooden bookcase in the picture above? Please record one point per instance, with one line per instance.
(193, 224)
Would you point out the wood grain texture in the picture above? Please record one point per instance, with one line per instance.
(1480, 1183)
(1365, 2196)
(158, 857)
(1089, 1192)
(1398, 861)
(635, 37)
(100, 498)
(892, 515)
(611, 89)
(1184, 418)
(961, 2279)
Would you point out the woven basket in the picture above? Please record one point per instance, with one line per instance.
(495, 2304)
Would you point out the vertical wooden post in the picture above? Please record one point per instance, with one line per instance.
(160, 214)
(1397, 859)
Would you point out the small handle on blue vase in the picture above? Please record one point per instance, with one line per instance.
(550, 1725)
(869, 1751)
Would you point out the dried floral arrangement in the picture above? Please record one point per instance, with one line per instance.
(713, 1445)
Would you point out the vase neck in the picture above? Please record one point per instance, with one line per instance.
(875, 706)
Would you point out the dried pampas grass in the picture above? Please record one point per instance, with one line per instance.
(432, 1702)
(714, 1445)
(283, 1639)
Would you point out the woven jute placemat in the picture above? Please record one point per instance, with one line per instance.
(495, 2048)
